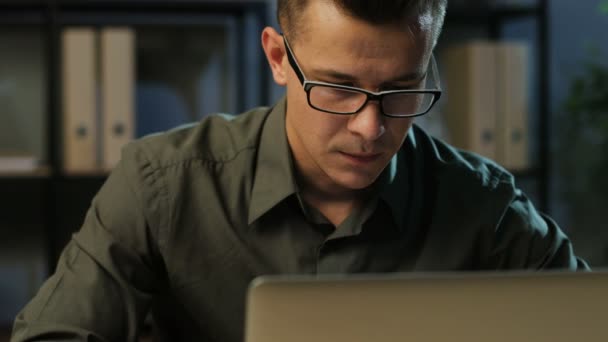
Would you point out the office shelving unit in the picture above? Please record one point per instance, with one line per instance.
(64, 198)
(491, 19)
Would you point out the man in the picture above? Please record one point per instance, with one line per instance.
(333, 179)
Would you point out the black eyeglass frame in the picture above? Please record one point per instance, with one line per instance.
(371, 96)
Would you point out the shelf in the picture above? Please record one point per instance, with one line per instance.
(515, 12)
(23, 4)
(529, 173)
(92, 175)
(489, 15)
(16, 16)
(163, 5)
(488, 21)
(22, 12)
(30, 12)
(39, 173)
(45, 172)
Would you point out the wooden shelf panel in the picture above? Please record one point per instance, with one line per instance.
(162, 5)
(41, 172)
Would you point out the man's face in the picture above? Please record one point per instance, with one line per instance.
(348, 152)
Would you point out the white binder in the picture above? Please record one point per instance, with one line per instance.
(79, 88)
(512, 140)
(471, 94)
(118, 84)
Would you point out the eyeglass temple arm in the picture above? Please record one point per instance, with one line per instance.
(293, 62)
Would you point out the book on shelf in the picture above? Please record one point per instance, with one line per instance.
(487, 106)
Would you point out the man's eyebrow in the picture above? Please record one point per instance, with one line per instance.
(333, 74)
(340, 76)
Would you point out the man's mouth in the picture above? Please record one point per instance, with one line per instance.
(361, 158)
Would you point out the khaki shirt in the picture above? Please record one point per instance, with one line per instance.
(189, 217)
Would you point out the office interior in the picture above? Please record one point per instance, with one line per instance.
(194, 58)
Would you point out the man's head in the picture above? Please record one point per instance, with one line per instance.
(289, 13)
(360, 44)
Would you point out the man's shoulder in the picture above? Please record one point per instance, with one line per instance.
(467, 191)
(217, 138)
(462, 169)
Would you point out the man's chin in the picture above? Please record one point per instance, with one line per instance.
(356, 181)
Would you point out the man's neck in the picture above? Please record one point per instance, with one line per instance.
(335, 203)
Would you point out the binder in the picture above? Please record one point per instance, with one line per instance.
(512, 140)
(118, 83)
(471, 95)
(79, 88)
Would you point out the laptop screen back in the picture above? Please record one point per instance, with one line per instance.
(499, 307)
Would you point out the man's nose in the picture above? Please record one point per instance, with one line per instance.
(369, 123)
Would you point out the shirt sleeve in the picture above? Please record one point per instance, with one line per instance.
(109, 271)
(528, 239)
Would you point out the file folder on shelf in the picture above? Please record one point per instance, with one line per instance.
(118, 83)
(471, 109)
(79, 100)
(512, 140)
(487, 92)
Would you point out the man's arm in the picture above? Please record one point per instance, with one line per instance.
(108, 273)
(527, 239)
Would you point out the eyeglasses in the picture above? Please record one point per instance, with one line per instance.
(345, 100)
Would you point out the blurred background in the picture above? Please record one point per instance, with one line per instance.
(525, 81)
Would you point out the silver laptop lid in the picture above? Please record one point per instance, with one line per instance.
(500, 307)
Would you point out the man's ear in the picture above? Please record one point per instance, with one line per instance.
(274, 49)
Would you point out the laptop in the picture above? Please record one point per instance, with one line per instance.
(492, 307)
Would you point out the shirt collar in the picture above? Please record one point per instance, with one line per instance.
(274, 175)
(393, 184)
